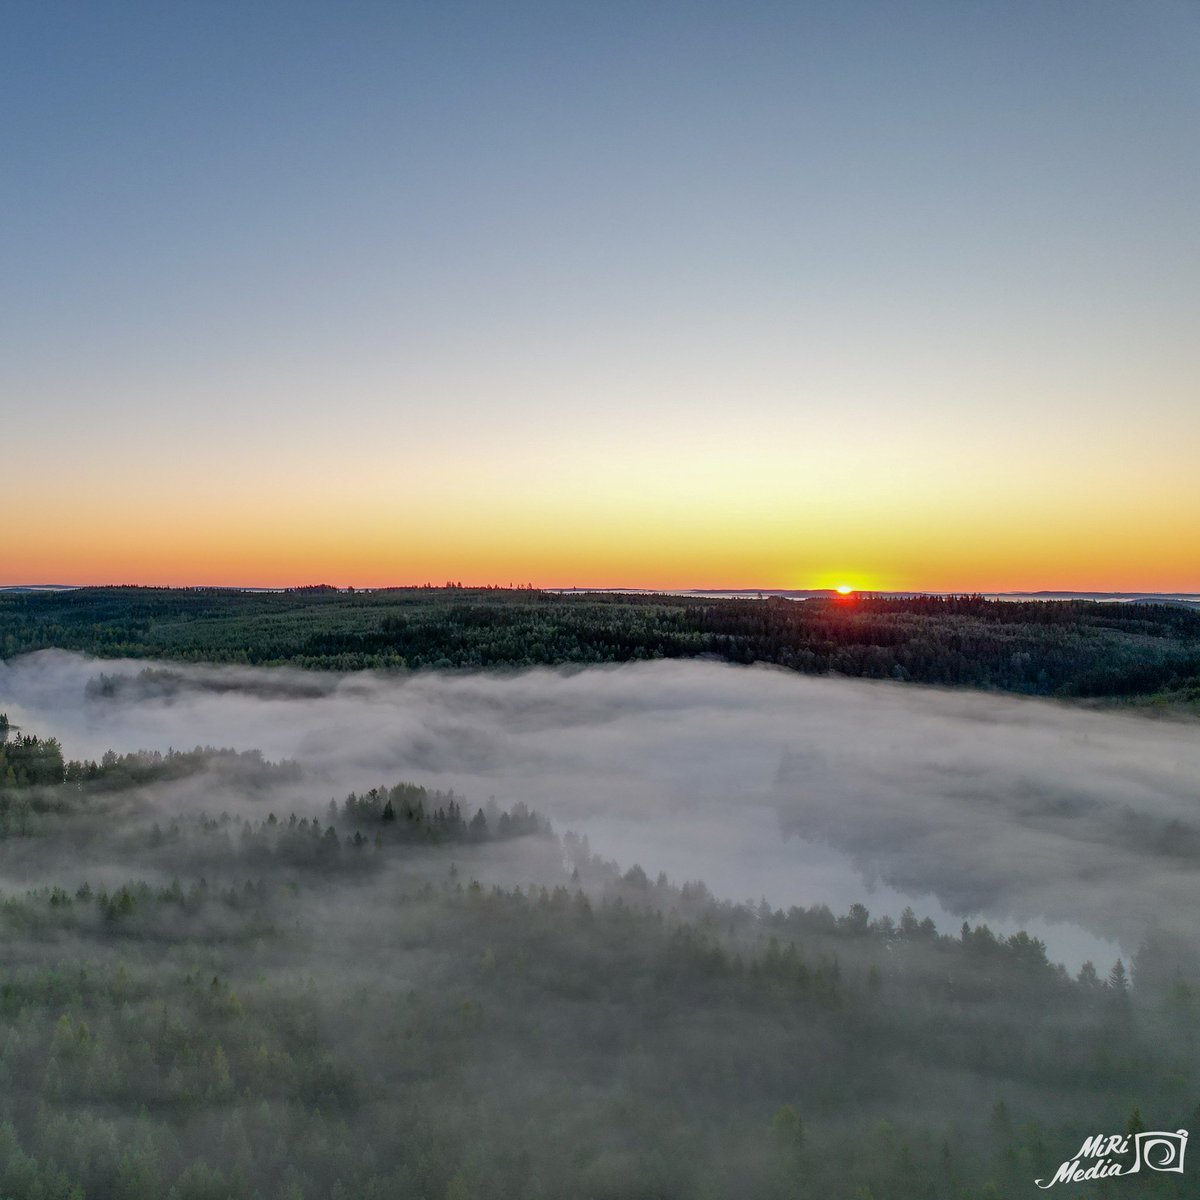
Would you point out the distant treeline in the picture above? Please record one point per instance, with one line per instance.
(1065, 648)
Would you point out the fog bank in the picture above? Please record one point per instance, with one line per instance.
(758, 781)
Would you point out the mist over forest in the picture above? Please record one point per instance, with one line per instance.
(982, 804)
(652, 929)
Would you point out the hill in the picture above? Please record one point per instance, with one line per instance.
(1070, 648)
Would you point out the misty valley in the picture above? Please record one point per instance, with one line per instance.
(666, 929)
(792, 792)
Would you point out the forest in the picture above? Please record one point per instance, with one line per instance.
(407, 992)
(1124, 653)
(337, 971)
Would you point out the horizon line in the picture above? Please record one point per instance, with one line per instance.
(609, 588)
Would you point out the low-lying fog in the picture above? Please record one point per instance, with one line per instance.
(1082, 826)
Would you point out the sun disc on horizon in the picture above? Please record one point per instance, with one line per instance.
(844, 589)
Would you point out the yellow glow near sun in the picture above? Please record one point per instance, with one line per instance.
(844, 589)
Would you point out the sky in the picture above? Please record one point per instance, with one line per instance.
(891, 295)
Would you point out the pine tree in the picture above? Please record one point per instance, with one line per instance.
(1118, 979)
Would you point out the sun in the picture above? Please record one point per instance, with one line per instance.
(844, 589)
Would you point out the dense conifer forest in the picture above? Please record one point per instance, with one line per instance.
(406, 993)
(218, 983)
(1060, 648)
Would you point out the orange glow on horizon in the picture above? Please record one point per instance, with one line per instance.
(384, 530)
(207, 558)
